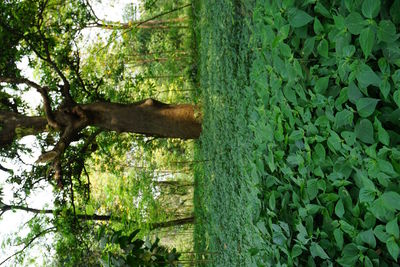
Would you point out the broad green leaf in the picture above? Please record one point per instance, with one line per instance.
(319, 8)
(350, 255)
(318, 155)
(355, 23)
(391, 200)
(321, 85)
(339, 209)
(387, 31)
(317, 251)
(394, 11)
(393, 248)
(396, 97)
(380, 233)
(354, 93)
(272, 201)
(323, 48)
(344, 117)
(367, 40)
(308, 46)
(368, 237)
(366, 106)
(298, 18)
(370, 8)
(385, 88)
(338, 234)
(365, 131)
(312, 188)
(366, 76)
(383, 136)
(386, 167)
(349, 137)
(392, 228)
(318, 28)
(334, 142)
(366, 195)
(296, 251)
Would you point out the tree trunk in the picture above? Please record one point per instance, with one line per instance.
(14, 125)
(176, 222)
(148, 117)
(95, 217)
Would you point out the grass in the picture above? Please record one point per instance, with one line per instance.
(227, 192)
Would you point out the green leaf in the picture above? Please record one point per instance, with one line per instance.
(387, 31)
(298, 18)
(385, 88)
(344, 117)
(366, 195)
(321, 85)
(349, 137)
(367, 41)
(355, 23)
(366, 106)
(338, 234)
(370, 8)
(396, 97)
(386, 167)
(391, 200)
(394, 12)
(392, 228)
(318, 28)
(334, 142)
(339, 209)
(354, 93)
(393, 248)
(308, 46)
(368, 238)
(380, 233)
(323, 48)
(365, 131)
(272, 201)
(350, 255)
(317, 251)
(296, 251)
(312, 188)
(89, 210)
(366, 76)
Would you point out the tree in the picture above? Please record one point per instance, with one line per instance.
(71, 103)
(75, 108)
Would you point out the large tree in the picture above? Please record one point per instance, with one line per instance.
(48, 32)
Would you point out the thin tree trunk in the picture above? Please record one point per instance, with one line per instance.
(177, 222)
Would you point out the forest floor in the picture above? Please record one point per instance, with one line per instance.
(228, 189)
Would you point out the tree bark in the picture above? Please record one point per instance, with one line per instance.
(177, 222)
(15, 125)
(149, 117)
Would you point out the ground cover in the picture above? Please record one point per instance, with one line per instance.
(299, 142)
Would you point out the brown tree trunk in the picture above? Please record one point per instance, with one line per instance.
(148, 117)
(14, 125)
(177, 222)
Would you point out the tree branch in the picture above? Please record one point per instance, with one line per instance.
(29, 243)
(43, 91)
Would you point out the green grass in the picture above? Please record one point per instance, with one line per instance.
(227, 204)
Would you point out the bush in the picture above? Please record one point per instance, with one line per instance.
(327, 130)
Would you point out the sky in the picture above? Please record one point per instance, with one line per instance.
(10, 223)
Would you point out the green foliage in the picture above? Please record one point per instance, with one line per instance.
(305, 171)
(127, 250)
